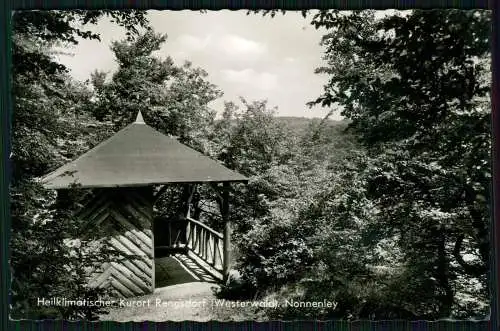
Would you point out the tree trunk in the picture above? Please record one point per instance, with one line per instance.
(443, 276)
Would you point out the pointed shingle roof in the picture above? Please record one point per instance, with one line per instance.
(138, 155)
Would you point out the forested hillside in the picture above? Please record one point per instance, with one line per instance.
(386, 213)
(299, 125)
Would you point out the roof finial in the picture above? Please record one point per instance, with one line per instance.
(139, 119)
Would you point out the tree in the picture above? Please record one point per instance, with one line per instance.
(54, 28)
(416, 90)
(252, 142)
(278, 226)
(47, 132)
(173, 99)
(48, 106)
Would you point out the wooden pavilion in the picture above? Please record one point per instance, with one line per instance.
(124, 173)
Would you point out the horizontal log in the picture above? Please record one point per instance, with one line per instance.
(93, 204)
(122, 290)
(136, 249)
(94, 221)
(142, 270)
(139, 218)
(99, 278)
(124, 276)
(140, 280)
(91, 225)
(144, 240)
(128, 246)
(136, 236)
(212, 231)
(171, 247)
(138, 209)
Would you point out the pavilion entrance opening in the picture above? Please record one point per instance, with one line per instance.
(189, 240)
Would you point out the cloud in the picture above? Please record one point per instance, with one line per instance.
(193, 43)
(236, 45)
(259, 80)
(228, 45)
(290, 59)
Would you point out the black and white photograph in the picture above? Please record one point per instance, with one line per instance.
(251, 165)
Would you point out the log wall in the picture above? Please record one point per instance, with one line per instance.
(123, 219)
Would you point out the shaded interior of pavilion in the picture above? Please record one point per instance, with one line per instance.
(189, 241)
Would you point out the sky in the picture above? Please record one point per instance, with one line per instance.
(248, 56)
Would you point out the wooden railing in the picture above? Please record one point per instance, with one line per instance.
(196, 240)
(205, 243)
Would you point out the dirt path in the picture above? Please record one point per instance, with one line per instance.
(189, 301)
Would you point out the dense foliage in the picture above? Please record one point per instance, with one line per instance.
(416, 88)
(387, 213)
(400, 229)
(50, 126)
(173, 99)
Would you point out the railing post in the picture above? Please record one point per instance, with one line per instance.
(188, 233)
(227, 230)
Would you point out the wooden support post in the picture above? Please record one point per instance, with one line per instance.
(219, 198)
(227, 231)
(187, 197)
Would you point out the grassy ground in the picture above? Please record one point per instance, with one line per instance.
(180, 296)
(194, 301)
(169, 272)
